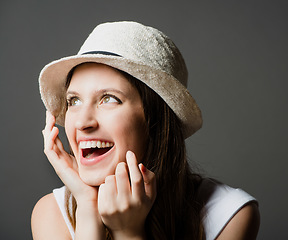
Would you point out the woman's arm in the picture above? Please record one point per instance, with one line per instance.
(244, 225)
(47, 221)
(47, 218)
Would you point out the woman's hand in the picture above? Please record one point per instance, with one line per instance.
(124, 202)
(66, 168)
(63, 163)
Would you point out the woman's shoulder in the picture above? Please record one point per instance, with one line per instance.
(47, 221)
(223, 206)
(244, 225)
(212, 193)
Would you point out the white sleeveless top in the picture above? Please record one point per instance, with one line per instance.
(220, 202)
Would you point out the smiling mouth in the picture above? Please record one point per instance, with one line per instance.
(92, 149)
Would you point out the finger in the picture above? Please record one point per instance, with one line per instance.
(110, 185)
(59, 149)
(50, 125)
(50, 148)
(59, 144)
(149, 182)
(122, 181)
(101, 198)
(137, 183)
(63, 163)
(49, 138)
(63, 168)
(55, 152)
(52, 137)
(107, 195)
(50, 122)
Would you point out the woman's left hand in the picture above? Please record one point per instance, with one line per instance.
(124, 202)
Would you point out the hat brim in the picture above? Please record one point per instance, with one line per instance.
(53, 77)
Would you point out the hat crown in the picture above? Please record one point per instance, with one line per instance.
(138, 43)
(143, 52)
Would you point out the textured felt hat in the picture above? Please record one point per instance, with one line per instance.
(143, 52)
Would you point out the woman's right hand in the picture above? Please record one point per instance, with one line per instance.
(66, 167)
(63, 163)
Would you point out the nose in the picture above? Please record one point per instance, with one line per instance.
(86, 119)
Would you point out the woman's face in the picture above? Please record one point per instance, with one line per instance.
(104, 119)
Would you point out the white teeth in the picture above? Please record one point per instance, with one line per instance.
(94, 144)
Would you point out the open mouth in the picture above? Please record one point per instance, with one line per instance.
(94, 152)
(92, 149)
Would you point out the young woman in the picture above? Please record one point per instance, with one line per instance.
(126, 111)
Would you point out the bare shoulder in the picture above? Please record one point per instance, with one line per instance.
(47, 221)
(244, 225)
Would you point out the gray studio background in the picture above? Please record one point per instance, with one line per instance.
(236, 52)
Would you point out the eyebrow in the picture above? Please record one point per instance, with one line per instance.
(99, 92)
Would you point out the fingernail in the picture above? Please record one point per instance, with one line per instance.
(143, 168)
(129, 154)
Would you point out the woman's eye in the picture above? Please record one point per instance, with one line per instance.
(74, 101)
(110, 99)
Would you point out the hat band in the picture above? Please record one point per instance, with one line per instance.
(102, 52)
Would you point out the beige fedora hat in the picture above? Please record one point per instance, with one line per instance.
(143, 52)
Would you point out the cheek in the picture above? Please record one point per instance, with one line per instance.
(67, 126)
(70, 131)
(131, 133)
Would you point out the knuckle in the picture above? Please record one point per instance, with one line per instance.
(124, 206)
(153, 174)
(104, 212)
(122, 175)
(137, 203)
(138, 180)
(153, 177)
(107, 210)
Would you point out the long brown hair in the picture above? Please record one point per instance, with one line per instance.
(175, 213)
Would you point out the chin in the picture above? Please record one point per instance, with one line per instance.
(92, 179)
